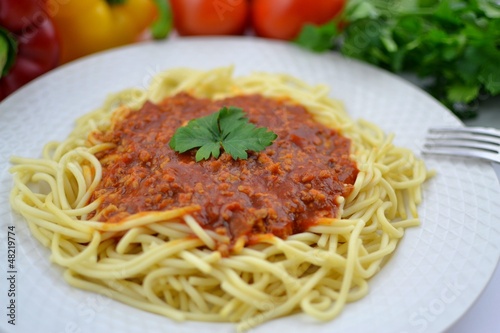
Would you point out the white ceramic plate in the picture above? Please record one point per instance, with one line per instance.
(435, 275)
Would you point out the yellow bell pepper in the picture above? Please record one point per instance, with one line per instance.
(88, 26)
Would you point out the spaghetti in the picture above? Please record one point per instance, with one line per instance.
(165, 262)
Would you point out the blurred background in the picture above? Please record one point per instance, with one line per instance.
(450, 48)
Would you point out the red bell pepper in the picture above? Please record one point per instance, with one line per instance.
(29, 45)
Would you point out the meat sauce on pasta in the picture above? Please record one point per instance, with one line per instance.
(281, 191)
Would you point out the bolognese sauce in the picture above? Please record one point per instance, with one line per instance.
(281, 190)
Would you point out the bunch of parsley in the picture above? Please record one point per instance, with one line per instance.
(453, 45)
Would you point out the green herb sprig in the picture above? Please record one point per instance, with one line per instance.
(227, 128)
(454, 45)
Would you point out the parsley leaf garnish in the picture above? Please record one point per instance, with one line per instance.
(228, 128)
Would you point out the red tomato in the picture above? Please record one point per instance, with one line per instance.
(210, 17)
(283, 19)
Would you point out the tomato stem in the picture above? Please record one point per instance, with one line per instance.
(115, 2)
(8, 51)
(163, 24)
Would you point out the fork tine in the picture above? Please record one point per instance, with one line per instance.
(476, 142)
(445, 142)
(465, 152)
(487, 135)
(457, 136)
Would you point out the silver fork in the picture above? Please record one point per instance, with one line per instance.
(478, 142)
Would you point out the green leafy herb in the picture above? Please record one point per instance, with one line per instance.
(228, 128)
(316, 38)
(454, 45)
